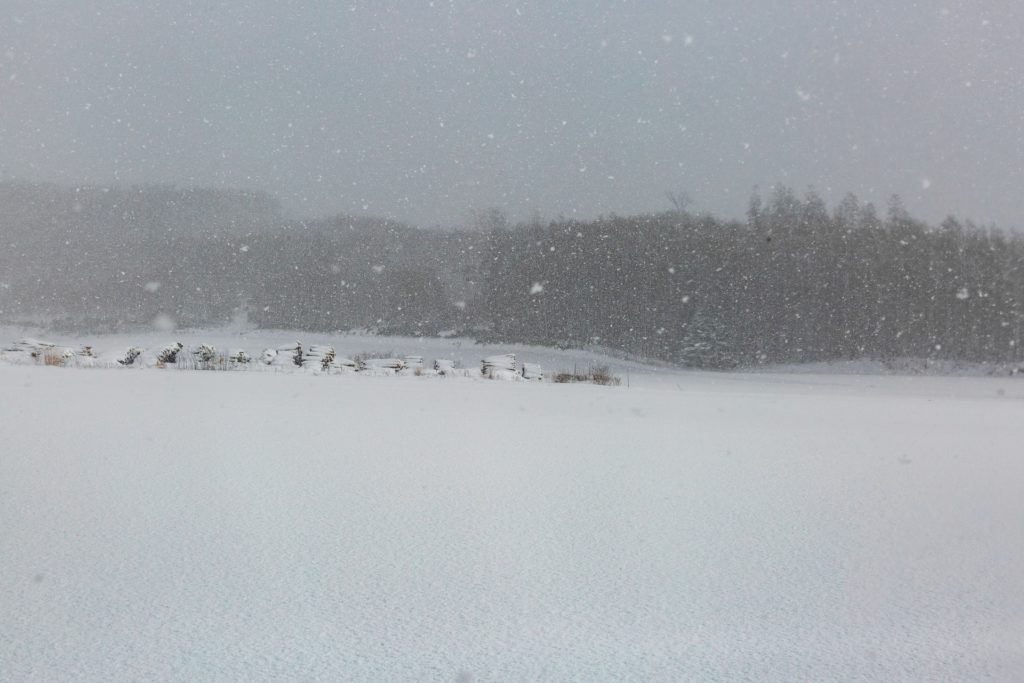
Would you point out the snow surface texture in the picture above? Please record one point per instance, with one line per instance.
(694, 526)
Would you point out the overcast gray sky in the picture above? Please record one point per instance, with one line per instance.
(426, 110)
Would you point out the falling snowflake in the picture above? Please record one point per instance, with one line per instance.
(164, 323)
(537, 288)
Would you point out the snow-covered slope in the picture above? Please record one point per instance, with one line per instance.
(260, 526)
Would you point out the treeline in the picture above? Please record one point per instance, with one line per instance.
(103, 259)
(794, 282)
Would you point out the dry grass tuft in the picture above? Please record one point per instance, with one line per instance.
(600, 374)
(54, 359)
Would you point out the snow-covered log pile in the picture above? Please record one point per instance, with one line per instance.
(42, 352)
(238, 356)
(168, 354)
(287, 356)
(27, 350)
(445, 367)
(532, 371)
(342, 364)
(83, 357)
(30, 345)
(127, 356)
(502, 361)
(204, 357)
(47, 353)
(501, 366)
(318, 357)
(386, 366)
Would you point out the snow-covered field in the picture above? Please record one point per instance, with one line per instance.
(164, 525)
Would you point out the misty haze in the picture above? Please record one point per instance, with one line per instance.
(486, 341)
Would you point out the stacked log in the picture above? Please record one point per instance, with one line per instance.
(33, 345)
(29, 349)
(382, 365)
(500, 366)
(55, 355)
(342, 364)
(532, 371)
(83, 357)
(288, 356)
(61, 356)
(318, 357)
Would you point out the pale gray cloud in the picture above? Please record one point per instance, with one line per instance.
(425, 110)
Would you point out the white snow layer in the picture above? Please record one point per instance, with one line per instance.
(257, 526)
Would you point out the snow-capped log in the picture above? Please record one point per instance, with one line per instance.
(23, 351)
(268, 356)
(343, 364)
(501, 374)
(503, 361)
(318, 357)
(532, 371)
(83, 357)
(52, 355)
(33, 348)
(414, 362)
(288, 355)
(444, 366)
(65, 353)
(30, 343)
(382, 364)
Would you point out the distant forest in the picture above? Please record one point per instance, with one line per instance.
(795, 282)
